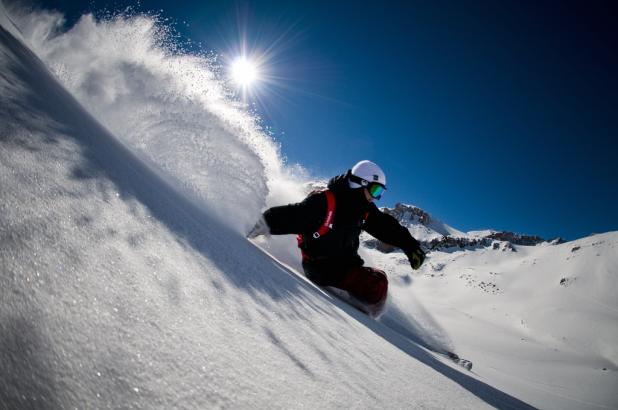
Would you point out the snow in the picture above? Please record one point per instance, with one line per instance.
(128, 179)
(539, 322)
(479, 234)
(168, 108)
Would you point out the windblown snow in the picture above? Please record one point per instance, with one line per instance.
(128, 179)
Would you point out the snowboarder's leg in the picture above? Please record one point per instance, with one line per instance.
(324, 273)
(369, 285)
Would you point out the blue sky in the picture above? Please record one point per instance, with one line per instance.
(489, 114)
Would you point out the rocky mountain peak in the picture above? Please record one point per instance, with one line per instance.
(434, 235)
(408, 214)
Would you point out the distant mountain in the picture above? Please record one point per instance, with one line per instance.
(436, 235)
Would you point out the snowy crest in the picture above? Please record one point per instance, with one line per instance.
(422, 225)
(168, 107)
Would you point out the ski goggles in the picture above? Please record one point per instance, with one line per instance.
(375, 189)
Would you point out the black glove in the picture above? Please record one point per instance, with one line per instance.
(416, 256)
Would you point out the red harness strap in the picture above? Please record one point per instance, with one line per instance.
(326, 226)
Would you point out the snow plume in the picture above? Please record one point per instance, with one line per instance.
(168, 107)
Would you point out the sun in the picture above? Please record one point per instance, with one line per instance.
(244, 72)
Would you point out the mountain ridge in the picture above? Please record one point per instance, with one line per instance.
(434, 234)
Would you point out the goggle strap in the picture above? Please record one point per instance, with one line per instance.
(360, 181)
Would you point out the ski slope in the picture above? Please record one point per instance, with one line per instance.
(129, 178)
(118, 290)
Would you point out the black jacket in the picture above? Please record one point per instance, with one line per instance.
(338, 248)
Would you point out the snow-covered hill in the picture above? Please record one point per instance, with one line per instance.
(539, 321)
(541, 316)
(126, 280)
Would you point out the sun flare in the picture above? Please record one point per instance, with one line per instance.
(244, 72)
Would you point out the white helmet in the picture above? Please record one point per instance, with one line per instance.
(369, 172)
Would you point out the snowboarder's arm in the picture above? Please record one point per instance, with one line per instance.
(388, 230)
(296, 218)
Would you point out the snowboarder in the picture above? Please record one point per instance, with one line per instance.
(328, 224)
